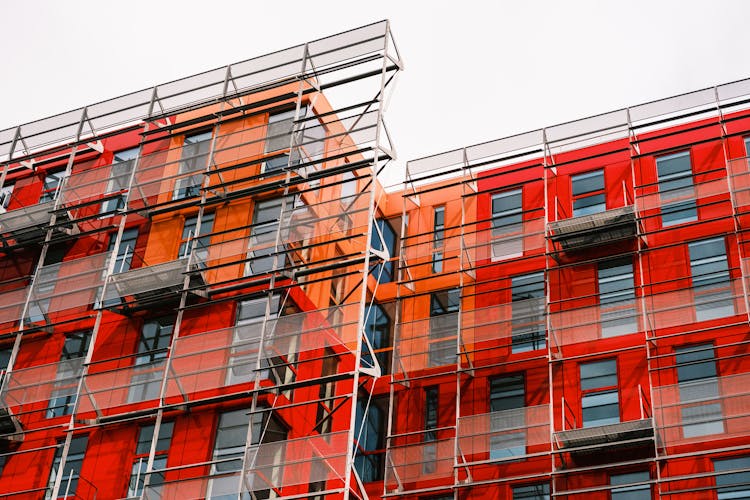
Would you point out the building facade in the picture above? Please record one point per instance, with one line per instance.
(206, 292)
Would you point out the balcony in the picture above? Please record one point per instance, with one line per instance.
(28, 225)
(150, 283)
(596, 229)
(603, 436)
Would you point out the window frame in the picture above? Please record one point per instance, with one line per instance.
(671, 208)
(600, 192)
(596, 392)
(528, 315)
(506, 226)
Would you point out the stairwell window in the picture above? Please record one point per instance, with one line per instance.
(507, 225)
(370, 450)
(711, 284)
(676, 190)
(430, 425)
(698, 386)
(599, 396)
(588, 193)
(383, 270)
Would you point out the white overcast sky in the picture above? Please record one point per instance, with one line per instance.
(475, 71)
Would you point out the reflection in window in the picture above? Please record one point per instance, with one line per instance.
(369, 461)
(378, 332)
(140, 460)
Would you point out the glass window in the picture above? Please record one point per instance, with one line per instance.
(711, 284)
(699, 391)
(248, 330)
(617, 297)
(348, 187)
(369, 461)
(140, 460)
(444, 307)
(430, 413)
(51, 185)
(72, 469)
(507, 402)
(383, 271)
(527, 311)
(730, 485)
(588, 193)
(438, 236)
(266, 219)
(6, 194)
(188, 233)
(378, 331)
(507, 224)
(119, 178)
(627, 487)
(279, 138)
(125, 251)
(531, 492)
(599, 398)
(156, 335)
(676, 191)
(193, 160)
(65, 388)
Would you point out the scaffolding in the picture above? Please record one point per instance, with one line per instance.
(301, 265)
(506, 279)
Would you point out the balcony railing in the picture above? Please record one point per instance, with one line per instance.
(597, 229)
(419, 457)
(29, 224)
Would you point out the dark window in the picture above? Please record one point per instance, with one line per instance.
(588, 193)
(262, 245)
(438, 238)
(72, 468)
(627, 487)
(65, 388)
(531, 492)
(369, 460)
(156, 336)
(617, 297)
(599, 398)
(378, 332)
(430, 413)
(382, 226)
(676, 191)
(140, 461)
(731, 485)
(528, 323)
